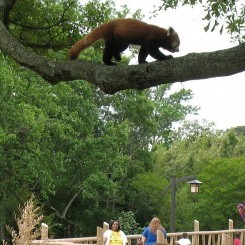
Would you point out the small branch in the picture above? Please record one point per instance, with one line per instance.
(70, 203)
(63, 214)
(185, 178)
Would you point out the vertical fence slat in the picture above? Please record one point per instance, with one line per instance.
(209, 239)
(203, 239)
(242, 238)
(219, 239)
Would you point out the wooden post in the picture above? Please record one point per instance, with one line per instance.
(105, 226)
(100, 236)
(100, 232)
(44, 231)
(231, 234)
(195, 240)
(161, 240)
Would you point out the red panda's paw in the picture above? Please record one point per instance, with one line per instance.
(165, 57)
(143, 62)
(110, 63)
(117, 57)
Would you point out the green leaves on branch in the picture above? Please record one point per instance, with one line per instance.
(222, 14)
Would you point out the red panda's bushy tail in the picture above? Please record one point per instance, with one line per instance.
(92, 37)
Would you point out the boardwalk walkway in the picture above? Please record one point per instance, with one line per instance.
(221, 237)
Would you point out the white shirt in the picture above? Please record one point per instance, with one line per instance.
(184, 241)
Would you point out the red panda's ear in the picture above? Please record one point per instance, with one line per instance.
(170, 31)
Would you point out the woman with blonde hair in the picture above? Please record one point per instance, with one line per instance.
(150, 233)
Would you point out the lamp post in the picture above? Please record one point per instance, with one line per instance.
(194, 187)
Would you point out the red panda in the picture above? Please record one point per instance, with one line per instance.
(118, 34)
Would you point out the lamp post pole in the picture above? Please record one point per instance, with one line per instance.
(173, 195)
(173, 184)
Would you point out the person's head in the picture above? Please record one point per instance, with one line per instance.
(155, 224)
(237, 235)
(185, 235)
(114, 225)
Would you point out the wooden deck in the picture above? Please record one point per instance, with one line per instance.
(197, 237)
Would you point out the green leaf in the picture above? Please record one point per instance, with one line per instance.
(206, 28)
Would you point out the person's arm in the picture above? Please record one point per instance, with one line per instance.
(105, 236)
(144, 236)
(164, 233)
(125, 239)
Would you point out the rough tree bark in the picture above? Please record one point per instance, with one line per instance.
(193, 66)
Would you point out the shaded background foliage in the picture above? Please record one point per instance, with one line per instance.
(89, 157)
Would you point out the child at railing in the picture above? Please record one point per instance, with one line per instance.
(237, 240)
(184, 240)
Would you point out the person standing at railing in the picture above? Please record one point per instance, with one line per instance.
(237, 240)
(149, 236)
(184, 240)
(114, 236)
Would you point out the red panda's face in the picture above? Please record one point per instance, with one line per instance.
(173, 41)
(175, 47)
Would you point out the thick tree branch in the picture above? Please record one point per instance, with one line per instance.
(112, 79)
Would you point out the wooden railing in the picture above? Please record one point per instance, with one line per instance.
(221, 237)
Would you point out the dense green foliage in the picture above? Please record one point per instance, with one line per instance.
(224, 181)
(217, 159)
(89, 157)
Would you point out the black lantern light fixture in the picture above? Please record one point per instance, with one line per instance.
(194, 185)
